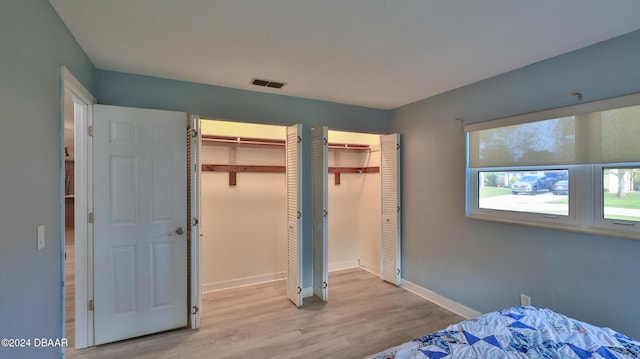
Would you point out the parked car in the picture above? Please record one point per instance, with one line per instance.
(560, 187)
(531, 184)
(557, 175)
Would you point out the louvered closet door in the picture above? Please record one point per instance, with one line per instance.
(390, 204)
(294, 215)
(320, 168)
(194, 149)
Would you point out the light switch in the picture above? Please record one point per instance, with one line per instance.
(40, 237)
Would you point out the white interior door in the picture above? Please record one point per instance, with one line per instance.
(140, 214)
(194, 149)
(319, 159)
(294, 215)
(390, 204)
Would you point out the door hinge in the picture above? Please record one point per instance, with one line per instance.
(299, 214)
(194, 310)
(398, 209)
(324, 213)
(90, 219)
(299, 290)
(325, 141)
(194, 222)
(90, 130)
(397, 146)
(299, 139)
(91, 305)
(398, 270)
(194, 133)
(324, 285)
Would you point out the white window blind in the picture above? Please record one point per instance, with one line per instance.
(605, 131)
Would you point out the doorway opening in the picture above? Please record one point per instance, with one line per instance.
(69, 210)
(76, 234)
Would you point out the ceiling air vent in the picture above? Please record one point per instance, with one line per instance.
(267, 83)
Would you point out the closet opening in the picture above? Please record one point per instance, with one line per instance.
(243, 203)
(353, 191)
(244, 209)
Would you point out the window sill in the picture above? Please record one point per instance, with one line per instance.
(568, 224)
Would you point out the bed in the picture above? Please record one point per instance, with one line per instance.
(518, 332)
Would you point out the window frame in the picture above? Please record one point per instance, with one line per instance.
(623, 228)
(586, 205)
(527, 218)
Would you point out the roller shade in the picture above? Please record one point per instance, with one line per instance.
(602, 136)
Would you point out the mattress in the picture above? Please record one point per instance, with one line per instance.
(518, 332)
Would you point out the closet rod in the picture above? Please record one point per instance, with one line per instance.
(243, 140)
(277, 143)
(348, 147)
(354, 169)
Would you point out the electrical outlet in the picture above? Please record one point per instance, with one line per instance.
(40, 237)
(525, 299)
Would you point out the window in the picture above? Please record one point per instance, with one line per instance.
(575, 168)
(544, 192)
(621, 194)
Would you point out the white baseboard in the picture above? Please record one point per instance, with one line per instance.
(343, 265)
(436, 298)
(242, 282)
(369, 267)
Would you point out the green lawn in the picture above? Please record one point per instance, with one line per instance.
(488, 191)
(611, 201)
(630, 200)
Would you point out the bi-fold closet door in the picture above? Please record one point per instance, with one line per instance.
(294, 214)
(319, 185)
(390, 254)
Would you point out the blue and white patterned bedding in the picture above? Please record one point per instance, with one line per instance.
(519, 332)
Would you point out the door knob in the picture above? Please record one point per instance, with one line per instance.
(179, 231)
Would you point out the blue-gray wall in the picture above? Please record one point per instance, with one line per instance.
(485, 265)
(116, 88)
(120, 89)
(33, 44)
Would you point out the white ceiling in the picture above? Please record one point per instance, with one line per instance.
(374, 53)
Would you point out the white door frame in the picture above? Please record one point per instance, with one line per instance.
(83, 191)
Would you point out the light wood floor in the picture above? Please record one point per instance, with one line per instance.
(69, 286)
(364, 315)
